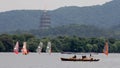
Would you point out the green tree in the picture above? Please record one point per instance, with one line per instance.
(2, 47)
(95, 48)
(88, 48)
(32, 44)
(117, 44)
(7, 42)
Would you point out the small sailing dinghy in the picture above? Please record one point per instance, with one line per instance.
(48, 49)
(24, 49)
(16, 48)
(39, 49)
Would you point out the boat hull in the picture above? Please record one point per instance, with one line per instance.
(75, 59)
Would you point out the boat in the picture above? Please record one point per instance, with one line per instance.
(66, 52)
(39, 49)
(84, 58)
(48, 49)
(24, 49)
(105, 50)
(16, 48)
(74, 59)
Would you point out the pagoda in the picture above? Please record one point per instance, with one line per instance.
(45, 20)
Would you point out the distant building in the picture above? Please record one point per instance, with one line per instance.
(45, 21)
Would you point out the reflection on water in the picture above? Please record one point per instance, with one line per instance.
(35, 60)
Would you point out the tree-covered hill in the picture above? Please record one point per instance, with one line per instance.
(87, 31)
(103, 16)
(71, 30)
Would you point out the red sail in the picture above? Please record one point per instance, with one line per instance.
(105, 50)
(16, 48)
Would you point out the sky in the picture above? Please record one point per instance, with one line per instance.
(7, 5)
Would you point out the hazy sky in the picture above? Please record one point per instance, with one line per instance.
(6, 5)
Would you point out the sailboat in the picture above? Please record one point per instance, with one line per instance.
(16, 48)
(48, 49)
(105, 50)
(39, 49)
(24, 49)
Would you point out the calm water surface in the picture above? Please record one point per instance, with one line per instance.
(34, 60)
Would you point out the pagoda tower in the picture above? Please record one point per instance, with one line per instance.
(45, 20)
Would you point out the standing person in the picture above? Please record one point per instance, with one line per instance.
(90, 55)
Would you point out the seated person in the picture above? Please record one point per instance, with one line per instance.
(74, 56)
(83, 57)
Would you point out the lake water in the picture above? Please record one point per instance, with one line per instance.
(35, 60)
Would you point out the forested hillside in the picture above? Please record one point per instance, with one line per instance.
(102, 16)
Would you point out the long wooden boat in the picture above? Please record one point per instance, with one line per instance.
(79, 59)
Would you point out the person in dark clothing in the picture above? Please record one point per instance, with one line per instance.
(74, 56)
(90, 55)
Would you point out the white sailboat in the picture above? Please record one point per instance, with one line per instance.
(39, 49)
(16, 48)
(48, 49)
(24, 49)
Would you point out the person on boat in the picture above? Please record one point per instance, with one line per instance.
(74, 56)
(83, 57)
(90, 55)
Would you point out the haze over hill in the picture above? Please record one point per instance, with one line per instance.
(105, 16)
(7, 5)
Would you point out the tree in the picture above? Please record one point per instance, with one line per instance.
(2, 47)
(32, 44)
(88, 48)
(7, 42)
(95, 48)
(117, 44)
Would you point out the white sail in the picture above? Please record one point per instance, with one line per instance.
(39, 49)
(48, 49)
(24, 49)
(16, 48)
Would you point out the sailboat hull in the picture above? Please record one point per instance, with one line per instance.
(75, 59)
(16, 52)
